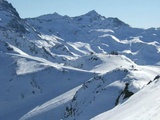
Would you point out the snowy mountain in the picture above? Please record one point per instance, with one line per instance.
(10, 18)
(77, 68)
(128, 111)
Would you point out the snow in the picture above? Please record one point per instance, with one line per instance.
(50, 105)
(26, 67)
(144, 105)
(61, 67)
(103, 30)
(102, 91)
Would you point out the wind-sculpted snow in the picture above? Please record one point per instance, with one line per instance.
(60, 67)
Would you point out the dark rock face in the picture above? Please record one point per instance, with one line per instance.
(16, 25)
(125, 94)
(10, 18)
(4, 5)
(156, 78)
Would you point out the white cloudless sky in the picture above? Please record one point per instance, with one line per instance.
(137, 13)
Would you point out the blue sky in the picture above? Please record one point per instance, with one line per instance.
(137, 13)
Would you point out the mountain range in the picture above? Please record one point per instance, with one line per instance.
(56, 67)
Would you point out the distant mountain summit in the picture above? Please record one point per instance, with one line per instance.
(95, 18)
(92, 13)
(69, 28)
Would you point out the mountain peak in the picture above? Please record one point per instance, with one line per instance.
(90, 17)
(10, 18)
(5, 6)
(92, 13)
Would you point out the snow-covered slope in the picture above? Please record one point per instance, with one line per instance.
(61, 67)
(28, 81)
(103, 92)
(144, 105)
(102, 34)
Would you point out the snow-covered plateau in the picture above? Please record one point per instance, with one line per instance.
(55, 67)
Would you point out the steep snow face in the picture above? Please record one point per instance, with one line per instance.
(144, 105)
(52, 109)
(99, 91)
